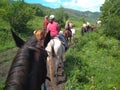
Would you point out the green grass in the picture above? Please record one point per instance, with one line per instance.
(93, 63)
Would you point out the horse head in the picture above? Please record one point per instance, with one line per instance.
(28, 70)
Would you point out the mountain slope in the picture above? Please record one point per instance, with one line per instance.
(74, 14)
(87, 15)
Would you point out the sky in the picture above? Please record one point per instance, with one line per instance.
(80, 5)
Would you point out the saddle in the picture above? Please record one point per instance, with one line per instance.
(63, 41)
(59, 38)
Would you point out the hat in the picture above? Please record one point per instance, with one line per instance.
(84, 25)
(52, 16)
(88, 23)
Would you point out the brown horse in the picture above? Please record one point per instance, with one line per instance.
(28, 70)
(68, 35)
(87, 28)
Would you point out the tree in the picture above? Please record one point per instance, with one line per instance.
(111, 17)
(18, 14)
(61, 16)
(38, 10)
(3, 4)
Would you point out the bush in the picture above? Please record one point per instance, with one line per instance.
(93, 63)
(112, 27)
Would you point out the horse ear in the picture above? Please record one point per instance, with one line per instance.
(19, 42)
(47, 39)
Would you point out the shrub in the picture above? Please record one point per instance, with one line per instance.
(93, 63)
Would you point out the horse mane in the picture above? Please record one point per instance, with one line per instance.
(19, 70)
(28, 69)
(48, 38)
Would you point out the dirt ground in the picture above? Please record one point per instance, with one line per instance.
(61, 79)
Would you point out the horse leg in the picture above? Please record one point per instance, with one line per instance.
(51, 68)
(82, 32)
(70, 40)
(56, 68)
(62, 63)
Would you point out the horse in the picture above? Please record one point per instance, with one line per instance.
(28, 70)
(56, 51)
(83, 29)
(86, 28)
(93, 27)
(68, 35)
(73, 34)
(98, 22)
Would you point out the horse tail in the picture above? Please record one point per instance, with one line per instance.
(53, 51)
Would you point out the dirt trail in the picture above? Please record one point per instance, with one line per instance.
(61, 79)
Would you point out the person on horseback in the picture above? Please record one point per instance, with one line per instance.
(67, 26)
(45, 23)
(54, 29)
(88, 26)
(53, 26)
(61, 36)
(70, 25)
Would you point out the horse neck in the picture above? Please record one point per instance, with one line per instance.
(20, 64)
(38, 69)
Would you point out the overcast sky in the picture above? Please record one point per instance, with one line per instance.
(81, 5)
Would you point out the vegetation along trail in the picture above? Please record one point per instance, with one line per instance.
(92, 62)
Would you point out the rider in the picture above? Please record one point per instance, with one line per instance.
(67, 26)
(53, 26)
(88, 26)
(70, 25)
(61, 36)
(45, 23)
(54, 29)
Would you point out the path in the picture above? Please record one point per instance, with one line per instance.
(61, 78)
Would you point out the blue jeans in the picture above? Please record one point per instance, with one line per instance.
(61, 37)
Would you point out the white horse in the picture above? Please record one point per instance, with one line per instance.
(73, 32)
(99, 23)
(56, 51)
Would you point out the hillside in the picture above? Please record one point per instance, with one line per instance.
(75, 14)
(87, 15)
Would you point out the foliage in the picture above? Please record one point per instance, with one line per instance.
(93, 63)
(18, 14)
(61, 16)
(3, 3)
(111, 17)
(2, 85)
(36, 23)
(5, 35)
(38, 10)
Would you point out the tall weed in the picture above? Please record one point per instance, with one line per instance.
(93, 63)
